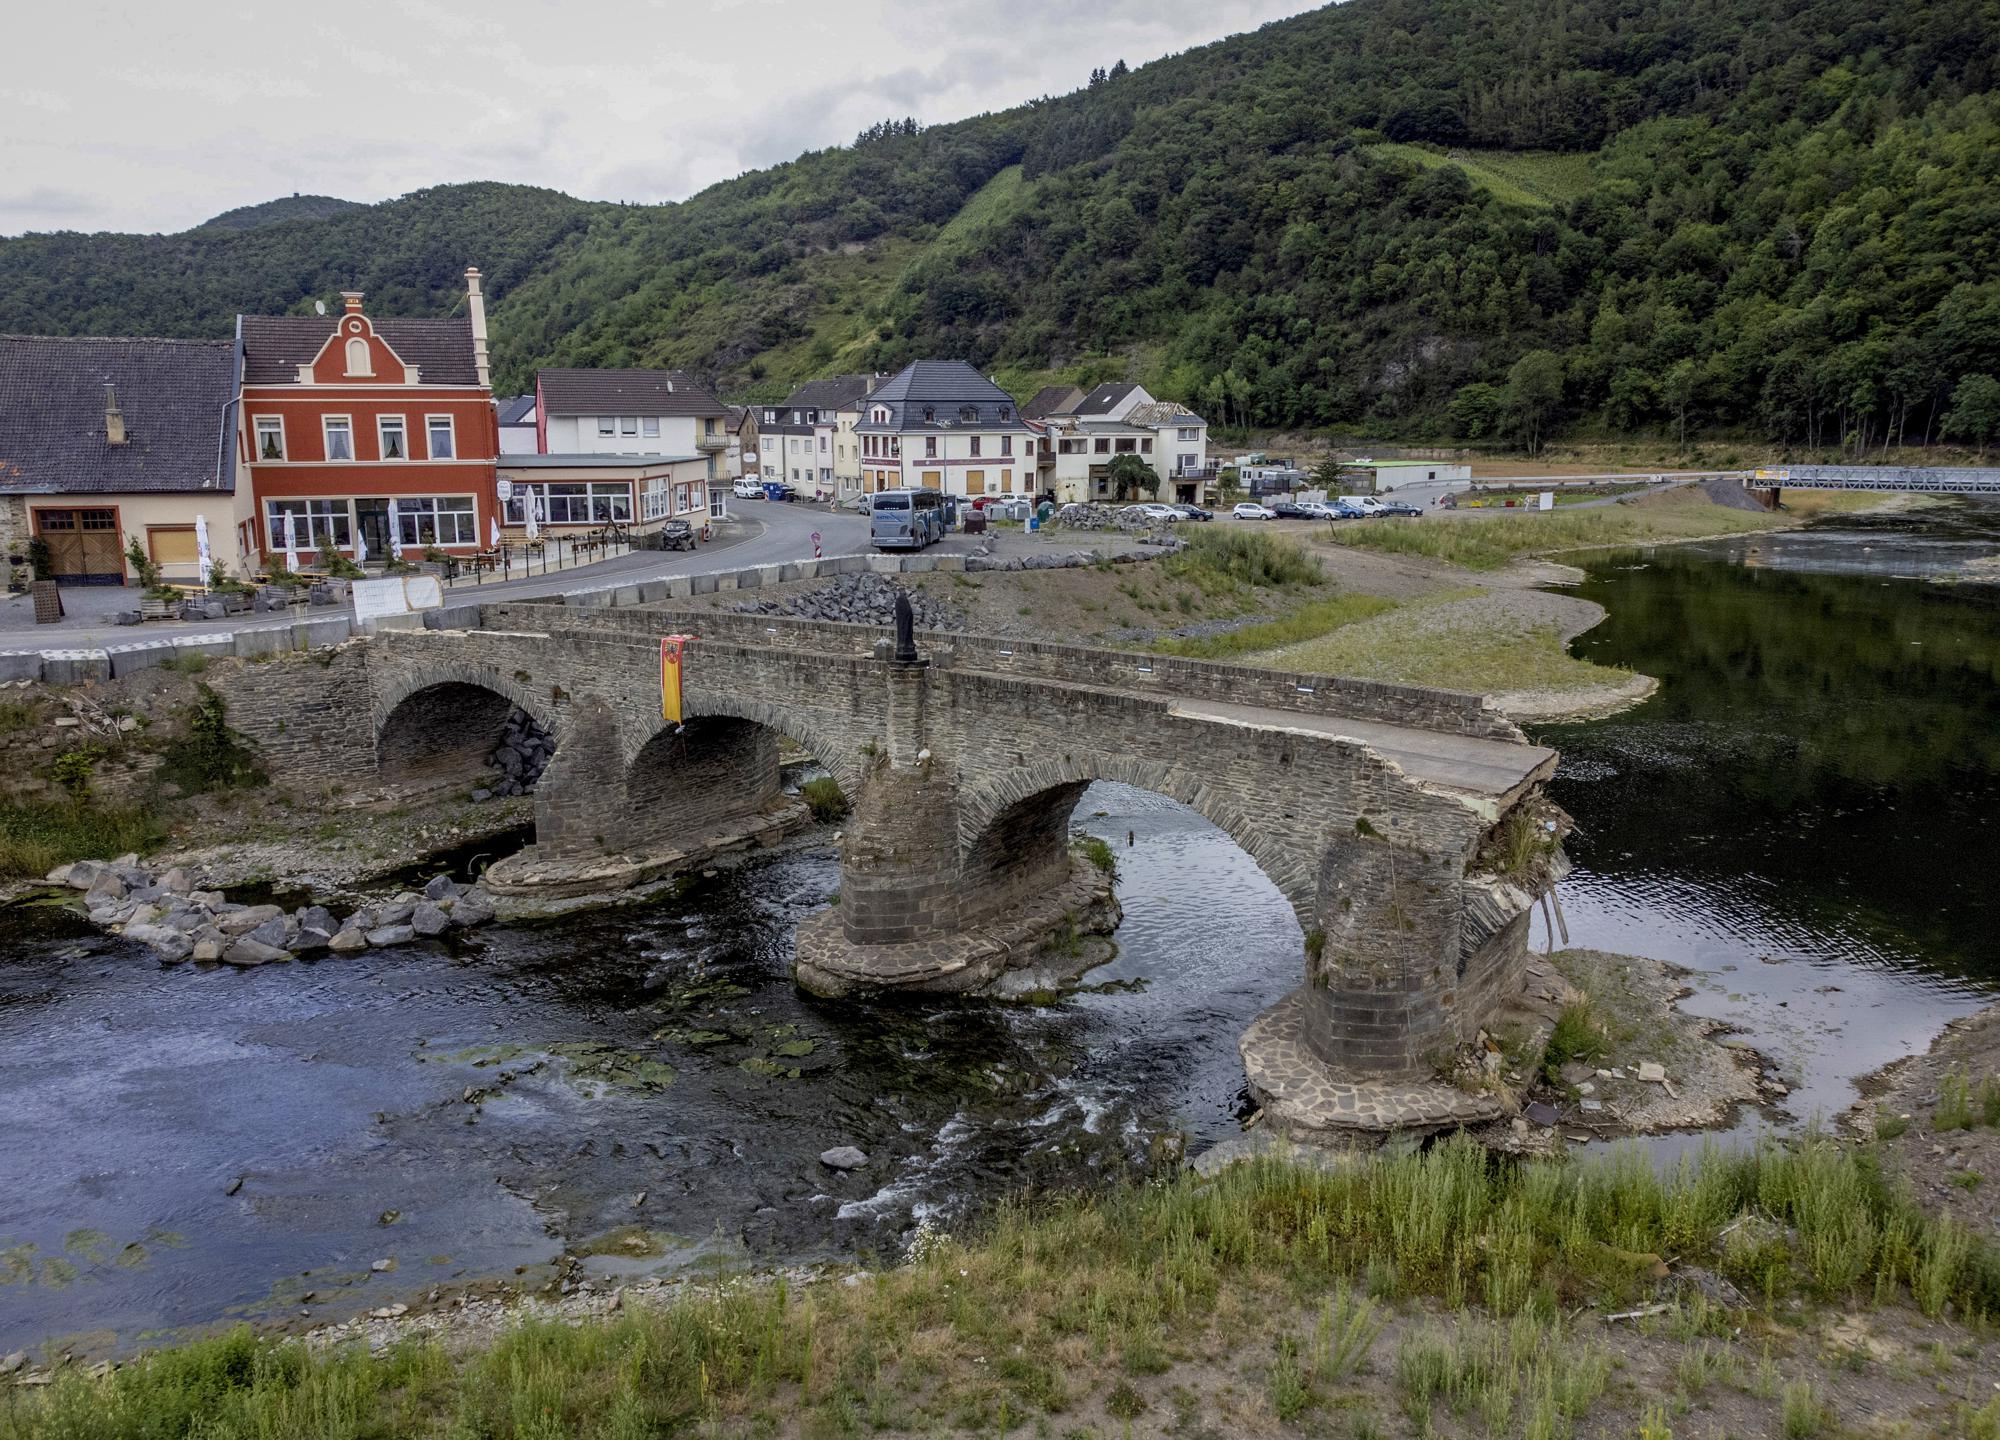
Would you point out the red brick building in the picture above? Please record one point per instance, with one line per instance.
(343, 414)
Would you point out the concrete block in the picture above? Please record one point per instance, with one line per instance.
(844, 565)
(392, 622)
(788, 573)
(726, 580)
(679, 587)
(918, 564)
(452, 617)
(652, 592)
(263, 640)
(215, 646)
(128, 659)
(884, 564)
(702, 584)
(21, 665)
(321, 630)
(596, 599)
(73, 667)
(949, 562)
(625, 595)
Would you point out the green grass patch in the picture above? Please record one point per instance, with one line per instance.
(1098, 852)
(1308, 622)
(1292, 1268)
(35, 838)
(1481, 660)
(1537, 179)
(825, 798)
(1488, 543)
(1217, 557)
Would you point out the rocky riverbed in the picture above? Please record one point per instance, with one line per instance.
(179, 921)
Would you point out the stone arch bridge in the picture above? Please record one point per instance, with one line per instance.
(1369, 805)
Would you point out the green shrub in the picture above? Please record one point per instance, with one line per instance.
(1098, 853)
(72, 770)
(824, 797)
(209, 755)
(1577, 1037)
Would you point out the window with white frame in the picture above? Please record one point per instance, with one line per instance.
(270, 437)
(649, 426)
(339, 432)
(656, 503)
(1006, 444)
(607, 424)
(358, 362)
(314, 523)
(628, 424)
(1189, 432)
(975, 446)
(437, 520)
(443, 442)
(574, 503)
(393, 435)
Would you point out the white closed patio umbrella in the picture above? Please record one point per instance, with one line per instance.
(291, 542)
(533, 508)
(202, 555)
(494, 522)
(360, 546)
(395, 531)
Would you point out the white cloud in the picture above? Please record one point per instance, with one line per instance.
(153, 117)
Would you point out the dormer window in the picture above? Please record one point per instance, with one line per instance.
(879, 415)
(358, 362)
(930, 412)
(1006, 412)
(968, 412)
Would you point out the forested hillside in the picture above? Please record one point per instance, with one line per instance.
(1431, 217)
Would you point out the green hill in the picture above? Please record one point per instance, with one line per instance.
(276, 212)
(1784, 219)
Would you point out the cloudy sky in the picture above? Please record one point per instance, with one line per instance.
(155, 116)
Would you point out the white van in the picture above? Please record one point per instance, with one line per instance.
(1366, 504)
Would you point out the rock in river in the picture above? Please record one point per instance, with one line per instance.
(843, 1157)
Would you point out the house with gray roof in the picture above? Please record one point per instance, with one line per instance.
(1121, 418)
(807, 439)
(941, 425)
(106, 443)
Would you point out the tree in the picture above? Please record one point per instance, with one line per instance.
(1129, 475)
(1975, 411)
(1678, 392)
(1476, 411)
(1534, 390)
(1119, 70)
(1327, 476)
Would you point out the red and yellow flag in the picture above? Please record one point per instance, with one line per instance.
(670, 676)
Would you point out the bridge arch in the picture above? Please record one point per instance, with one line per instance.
(834, 751)
(439, 721)
(1005, 824)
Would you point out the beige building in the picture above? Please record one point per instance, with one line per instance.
(110, 443)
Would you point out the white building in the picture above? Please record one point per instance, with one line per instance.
(1087, 437)
(628, 412)
(941, 425)
(519, 432)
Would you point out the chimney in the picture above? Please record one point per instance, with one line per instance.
(475, 305)
(114, 418)
(352, 299)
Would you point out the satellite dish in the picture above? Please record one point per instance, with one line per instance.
(319, 307)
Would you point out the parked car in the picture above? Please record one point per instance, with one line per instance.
(1193, 512)
(749, 487)
(1366, 504)
(1165, 513)
(1251, 510)
(1287, 510)
(1316, 509)
(1401, 507)
(1344, 511)
(861, 504)
(677, 535)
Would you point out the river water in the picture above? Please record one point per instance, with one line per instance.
(1802, 817)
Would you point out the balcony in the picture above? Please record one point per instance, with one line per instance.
(712, 443)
